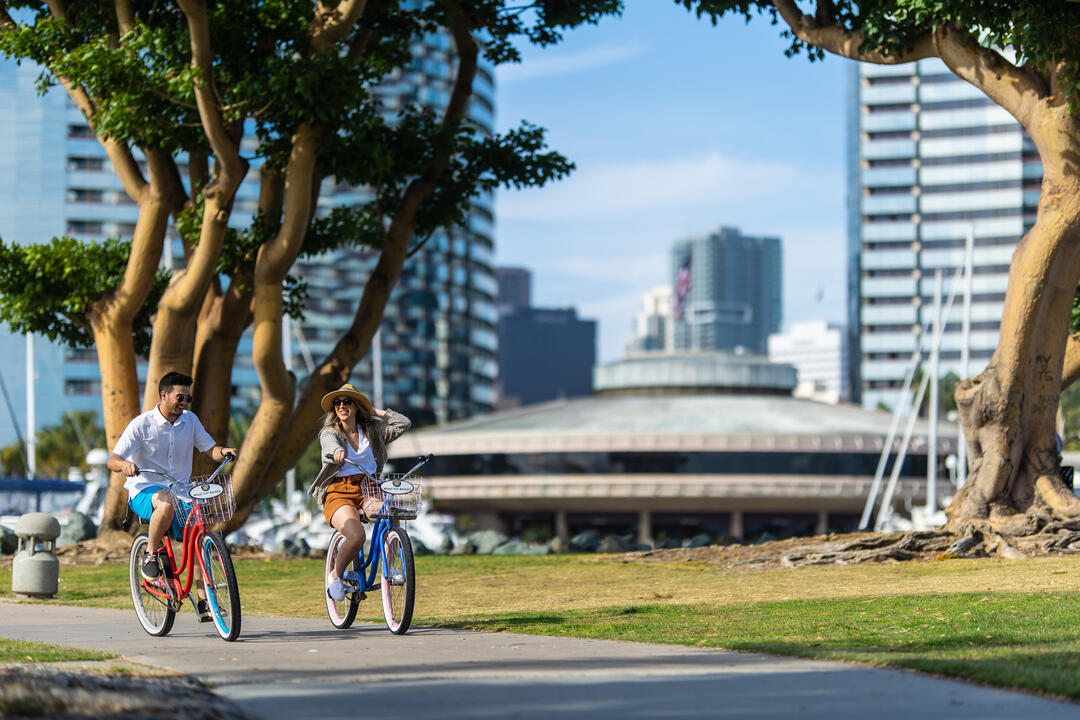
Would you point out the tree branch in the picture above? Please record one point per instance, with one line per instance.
(331, 23)
(226, 150)
(1018, 90)
(360, 41)
(276, 257)
(835, 39)
(125, 16)
(120, 156)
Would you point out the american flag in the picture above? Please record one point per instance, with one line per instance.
(682, 286)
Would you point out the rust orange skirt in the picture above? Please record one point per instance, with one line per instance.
(348, 490)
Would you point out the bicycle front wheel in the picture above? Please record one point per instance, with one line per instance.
(341, 612)
(151, 598)
(222, 592)
(399, 581)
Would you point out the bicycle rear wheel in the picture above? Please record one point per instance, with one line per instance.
(341, 612)
(222, 592)
(153, 609)
(399, 583)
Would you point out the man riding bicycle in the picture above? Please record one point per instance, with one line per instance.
(163, 439)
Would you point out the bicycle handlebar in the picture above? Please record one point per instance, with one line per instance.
(423, 460)
(229, 457)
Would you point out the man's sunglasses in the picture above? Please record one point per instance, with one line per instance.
(342, 401)
(181, 397)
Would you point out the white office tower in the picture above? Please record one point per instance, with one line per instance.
(932, 159)
(818, 352)
(652, 326)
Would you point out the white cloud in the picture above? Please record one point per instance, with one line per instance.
(547, 65)
(600, 191)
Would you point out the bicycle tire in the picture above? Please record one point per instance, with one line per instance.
(155, 615)
(342, 613)
(398, 597)
(222, 592)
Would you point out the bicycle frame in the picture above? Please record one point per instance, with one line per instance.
(372, 563)
(194, 530)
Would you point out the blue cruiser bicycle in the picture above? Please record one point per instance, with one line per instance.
(390, 552)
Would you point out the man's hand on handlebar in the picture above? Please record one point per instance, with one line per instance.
(129, 469)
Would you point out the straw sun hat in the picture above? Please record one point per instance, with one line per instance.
(346, 390)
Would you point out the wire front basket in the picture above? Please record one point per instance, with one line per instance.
(211, 498)
(398, 494)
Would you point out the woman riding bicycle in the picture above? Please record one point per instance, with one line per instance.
(357, 432)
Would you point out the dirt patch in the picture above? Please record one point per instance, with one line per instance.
(111, 690)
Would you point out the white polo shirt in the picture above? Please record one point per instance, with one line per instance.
(150, 441)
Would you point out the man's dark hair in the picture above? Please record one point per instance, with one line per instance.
(169, 380)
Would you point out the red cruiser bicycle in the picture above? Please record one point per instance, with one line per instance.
(158, 600)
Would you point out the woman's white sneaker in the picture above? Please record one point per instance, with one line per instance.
(335, 588)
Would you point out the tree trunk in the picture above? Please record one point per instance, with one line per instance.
(278, 385)
(222, 323)
(112, 321)
(1007, 411)
(173, 346)
(119, 397)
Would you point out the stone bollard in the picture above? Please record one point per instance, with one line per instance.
(35, 573)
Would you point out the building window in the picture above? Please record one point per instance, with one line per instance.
(79, 195)
(82, 387)
(85, 227)
(80, 131)
(83, 163)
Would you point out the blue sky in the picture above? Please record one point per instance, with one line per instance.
(676, 127)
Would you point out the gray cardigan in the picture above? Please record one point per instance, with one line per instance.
(391, 426)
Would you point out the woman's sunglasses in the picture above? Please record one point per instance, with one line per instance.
(342, 401)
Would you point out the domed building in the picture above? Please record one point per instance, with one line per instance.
(668, 446)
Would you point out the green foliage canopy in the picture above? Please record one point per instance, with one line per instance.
(48, 289)
(141, 89)
(1041, 33)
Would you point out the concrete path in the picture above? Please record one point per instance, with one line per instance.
(297, 668)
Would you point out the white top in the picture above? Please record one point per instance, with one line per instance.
(150, 441)
(362, 457)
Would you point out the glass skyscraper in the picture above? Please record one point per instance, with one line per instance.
(932, 158)
(727, 291)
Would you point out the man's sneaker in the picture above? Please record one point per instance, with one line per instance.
(149, 567)
(204, 611)
(335, 588)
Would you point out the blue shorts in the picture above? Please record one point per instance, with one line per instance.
(143, 506)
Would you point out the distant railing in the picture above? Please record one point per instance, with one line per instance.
(23, 495)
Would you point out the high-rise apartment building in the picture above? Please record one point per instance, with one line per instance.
(726, 291)
(438, 335)
(544, 353)
(652, 326)
(515, 289)
(933, 158)
(818, 352)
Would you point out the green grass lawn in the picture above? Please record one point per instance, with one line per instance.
(1008, 623)
(21, 651)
